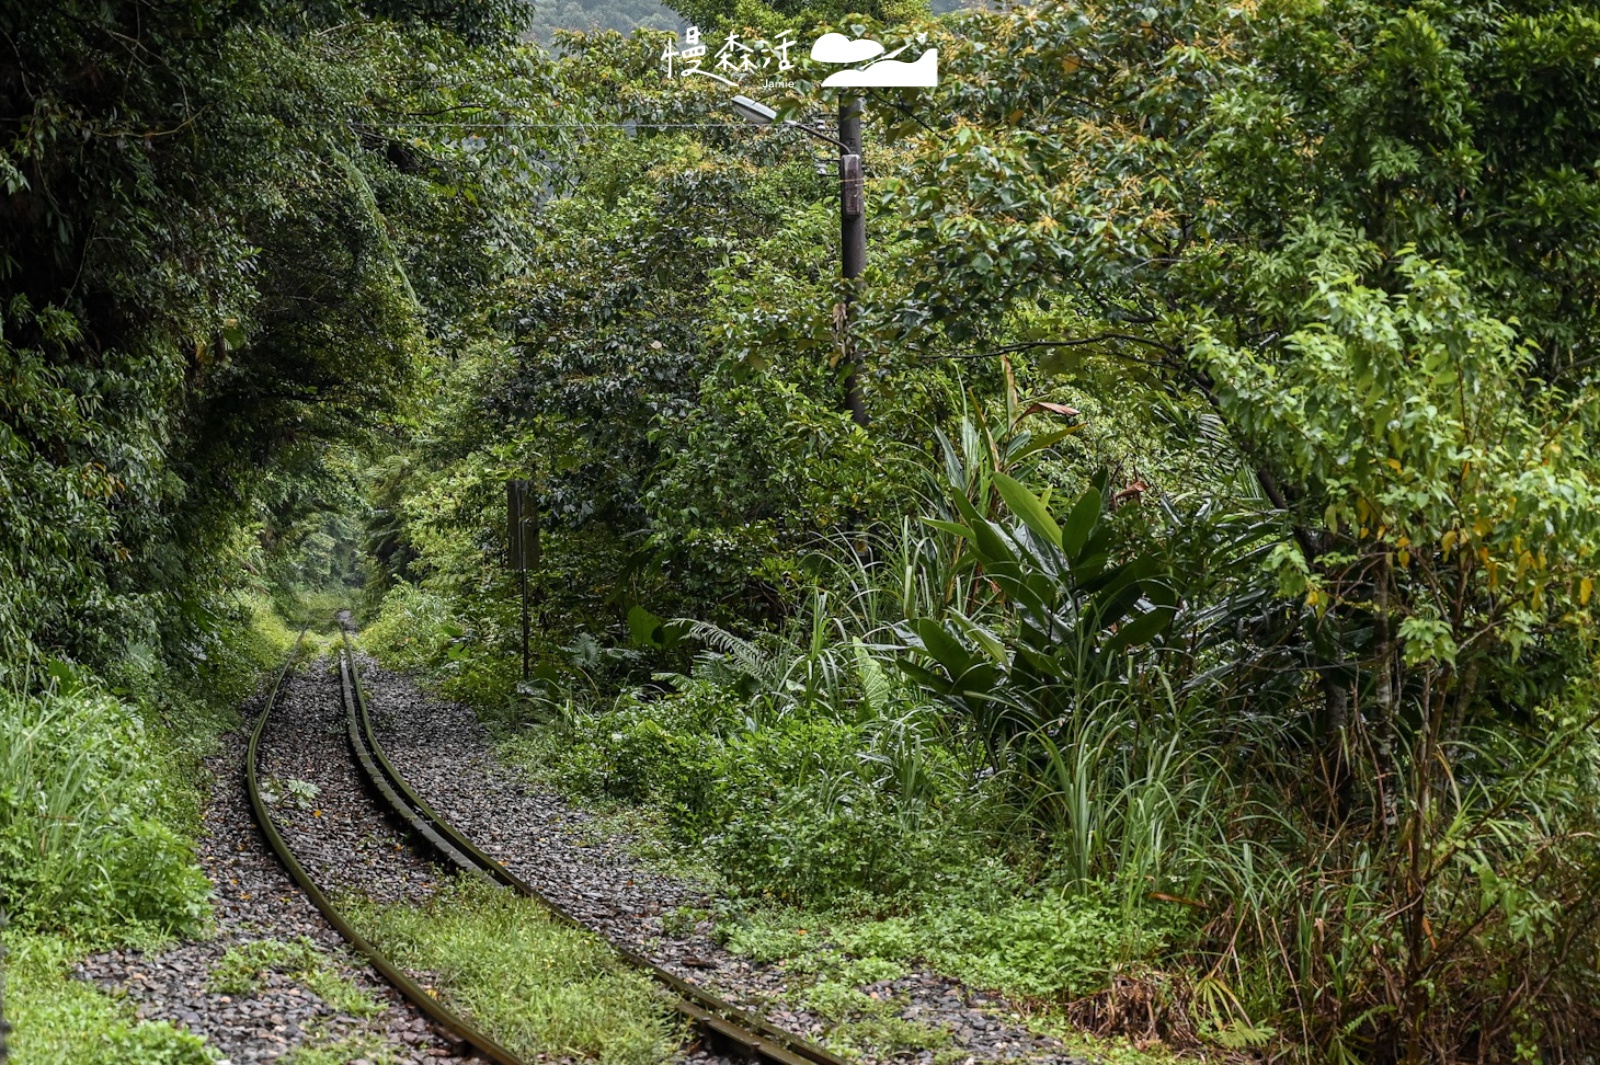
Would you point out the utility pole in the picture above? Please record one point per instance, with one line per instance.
(852, 246)
(852, 229)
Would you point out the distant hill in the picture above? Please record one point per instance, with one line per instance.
(623, 15)
(629, 15)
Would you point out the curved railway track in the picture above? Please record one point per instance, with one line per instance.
(717, 1022)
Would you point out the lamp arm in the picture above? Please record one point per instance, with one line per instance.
(817, 133)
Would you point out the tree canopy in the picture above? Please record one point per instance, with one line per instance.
(1210, 596)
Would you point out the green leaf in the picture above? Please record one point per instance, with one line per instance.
(951, 527)
(942, 647)
(1081, 522)
(644, 627)
(991, 546)
(1025, 505)
(65, 675)
(1143, 629)
(986, 640)
(1039, 441)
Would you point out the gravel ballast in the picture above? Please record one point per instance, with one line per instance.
(254, 899)
(447, 756)
(326, 815)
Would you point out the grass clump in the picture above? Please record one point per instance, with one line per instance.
(1045, 945)
(533, 984)
(87, 820)
(340, 1052)
(242, 968)
(60, 1021)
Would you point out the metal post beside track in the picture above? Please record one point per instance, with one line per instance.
(4, 1027)
(522, 546)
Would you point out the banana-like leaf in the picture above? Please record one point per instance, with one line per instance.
(1025, 505)
(942, 647)
(1081, 522)
(986, 640)
(1143, 629)
(992, 548)
(952, 527)
(1039, 441)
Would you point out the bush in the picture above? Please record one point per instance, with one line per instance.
(799, 809)
(417, 629)
(412, 629)
(86, 834)
(826, 839)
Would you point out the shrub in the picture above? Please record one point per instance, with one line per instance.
(806, 809)
(412, 629)
(86, 840)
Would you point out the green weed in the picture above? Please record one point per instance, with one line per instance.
(86, 822)
(535, 985)
(882, 1034)
(1057, 945)
(373, 1049)
(297, 793)
(820, 802)
(339, 992)
(57, 1020)
(241, 969)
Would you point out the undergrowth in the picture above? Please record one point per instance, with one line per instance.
(61, 1021)
(1043, 945)
(535, 985)
(801, 807)
(242, 968)
(102, 784)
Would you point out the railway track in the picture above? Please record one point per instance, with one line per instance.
(718, 1023)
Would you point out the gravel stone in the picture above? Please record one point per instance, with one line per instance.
(448, 758)
(347, 843)
(253, 898)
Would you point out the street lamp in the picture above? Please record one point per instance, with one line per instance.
(852, 220)
(755, 111)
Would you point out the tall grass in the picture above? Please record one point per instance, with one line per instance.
(85, 840)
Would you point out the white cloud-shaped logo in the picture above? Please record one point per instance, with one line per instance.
(891, 73)
(837, 48)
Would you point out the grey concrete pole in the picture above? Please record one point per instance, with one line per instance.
(852, 244)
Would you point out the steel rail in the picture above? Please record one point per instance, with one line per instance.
(750, 1035)
(409, 988)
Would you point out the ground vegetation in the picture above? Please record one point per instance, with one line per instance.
(1199, 637)
(1195, 643)
(222, 266)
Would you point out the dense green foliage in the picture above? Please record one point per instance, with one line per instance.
(79, 846)
(1202, 630)
(624, 16)
(1222, 548)
(219, 258)
(217, 262)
